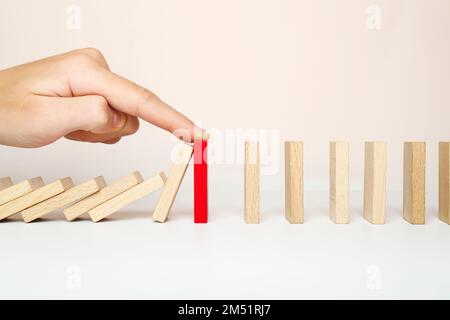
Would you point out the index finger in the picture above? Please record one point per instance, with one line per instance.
(128, 97)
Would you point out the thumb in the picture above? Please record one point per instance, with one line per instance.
(87, 113)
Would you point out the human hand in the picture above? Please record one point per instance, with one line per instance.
(75, 95)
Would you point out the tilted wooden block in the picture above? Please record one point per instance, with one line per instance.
(181, 162)
(20, 189)
(294, 181)
(64, 199)
(444, 181)
(73, 212)
(414, 182)
(5, 183)
(122, 200)
(251, 183)
(35, 197)
(375, 182)
(339, 184)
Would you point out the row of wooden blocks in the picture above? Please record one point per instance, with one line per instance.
(33, 199)
(374, 182)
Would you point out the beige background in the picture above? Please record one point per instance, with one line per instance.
(311, 69)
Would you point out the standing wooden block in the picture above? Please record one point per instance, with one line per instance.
(294, 181)
(181, 162)
(64, 199)
(200, 181)
(414, 182)
(75, 211)
(339, 185)
(5, 183)
(375, 182)
(124, 199)
(444, 181)
(20, 189)
(251, 181)
(35, 197)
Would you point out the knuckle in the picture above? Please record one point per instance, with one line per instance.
(79, 59)
(147, 95)
(94, 53)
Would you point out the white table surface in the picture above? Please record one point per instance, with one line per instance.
(130, 256)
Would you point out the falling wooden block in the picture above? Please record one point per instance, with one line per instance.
(339, 185)
(375, 182)
(64, 199)
(183, 156)
(414, 182)
(124, 199)
(35, 197)
(294, 181)
(251, 182)
(444, 181)
(200, 181)
(73, 212)
(20, 189)
(5, 183)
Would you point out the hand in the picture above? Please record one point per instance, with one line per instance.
(75, 95)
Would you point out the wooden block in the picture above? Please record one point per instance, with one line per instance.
(339, 185)
(122, 200)
(444, 181)
(64, 199)
(73, 212)
(20, 189)
(294, 181)
(200, 181)
(5, 183)
(375, 182)
(181, 162)
(35, 197)
(414, 182)
(251, 182)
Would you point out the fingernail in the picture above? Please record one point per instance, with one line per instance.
(118, 120)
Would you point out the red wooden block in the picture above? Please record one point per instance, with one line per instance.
(200, 181)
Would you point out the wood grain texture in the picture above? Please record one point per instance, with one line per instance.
(35, 197)
(20, 189)
(294, 181)
(64, 199)
(444, 181)
(5, 183)
(339, 182)
(414, 182)
(182, 157)
(251, 183)
(75, 211)
(375, 169)
(124, 199)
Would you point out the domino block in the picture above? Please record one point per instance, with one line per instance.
(64, 199)
(5, 183)
(131, 195)
(339, 182)
(20, 189)
(75, 211)
(35, 197)
(200, 181)
(375, 182)
(294, 181)
(444, 181)
(414, 182)
(251, 182)
(183, 156)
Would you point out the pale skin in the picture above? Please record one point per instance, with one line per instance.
(75, 95)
